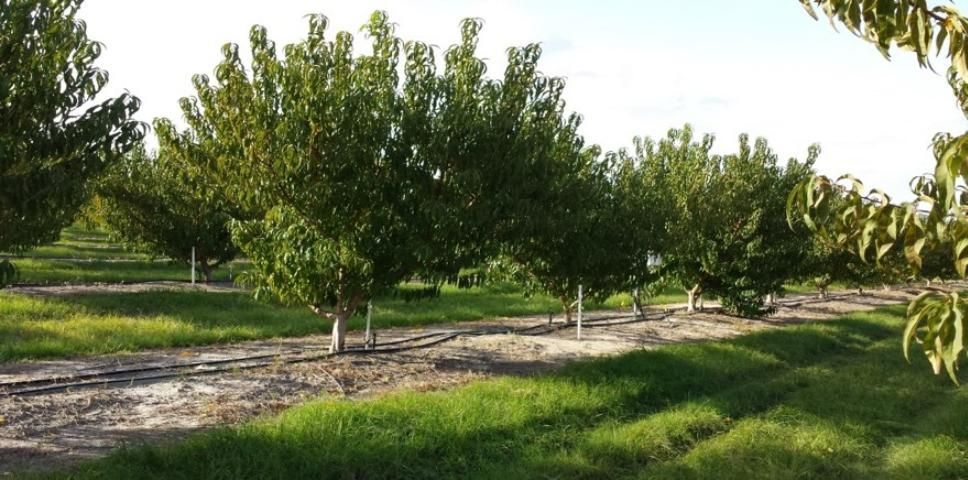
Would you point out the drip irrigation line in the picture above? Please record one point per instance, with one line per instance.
(110, 283)
(130, 375)
(92, 375)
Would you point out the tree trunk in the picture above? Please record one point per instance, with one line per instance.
(694, 295)
(771, 299)
(338, 340)
(860, 290)
(823, 293)
(206, 270)
(637, 309)
(565, 308)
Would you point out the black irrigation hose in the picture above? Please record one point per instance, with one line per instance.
(88, 376)
(173, 374)
(87, 380)
(176, 370)
(110, 284)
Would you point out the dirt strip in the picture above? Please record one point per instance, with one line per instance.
(62, 429)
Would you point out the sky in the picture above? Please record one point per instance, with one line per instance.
(633, 68)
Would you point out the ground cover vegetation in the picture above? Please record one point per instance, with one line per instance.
(37, 328)
(831, 400)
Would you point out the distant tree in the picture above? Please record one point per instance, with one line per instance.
(53, 140)
(367, 178)
(727, 233)
(576, 243)
(827, 264)
(642, 210)
(155, 203)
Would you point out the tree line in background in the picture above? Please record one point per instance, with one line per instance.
(341, 175)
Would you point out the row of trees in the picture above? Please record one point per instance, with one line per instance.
(341, 175)
(349, 178)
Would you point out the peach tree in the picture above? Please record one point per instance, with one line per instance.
(726, 232)
(57, 133)
(370, 169)
(934, 224)
(154, 202)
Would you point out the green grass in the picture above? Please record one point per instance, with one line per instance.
(84, 256)
(41, 270)
(79, 242)
(34, 328)
(820, 401)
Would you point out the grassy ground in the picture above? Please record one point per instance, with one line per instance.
(56, 271)
(80, 242)
(832, 400)
(33, 328)
(83, 255)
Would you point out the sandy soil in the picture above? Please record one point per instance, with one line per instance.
(57, 290)
(62, 429)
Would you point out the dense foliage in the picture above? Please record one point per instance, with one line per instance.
(153, 202)
(576, 239)
(726, 233)
(642, 210)
(366, 177)
(934, 225)
(56, 134)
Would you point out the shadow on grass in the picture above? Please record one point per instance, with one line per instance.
(818, 401)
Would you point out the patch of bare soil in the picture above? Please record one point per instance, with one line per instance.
(61, 429)
(55, 290)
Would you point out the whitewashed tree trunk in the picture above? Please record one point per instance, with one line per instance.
(771, 299)
(823, 293)
(338, 340)
(694, 296)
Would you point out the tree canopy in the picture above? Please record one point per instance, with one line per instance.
(365, 177)
(575, 239)
(727, 234)
(154, 202)
(56, 133)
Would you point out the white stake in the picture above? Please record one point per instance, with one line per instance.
(193, 265)
(635, 303)
(579, 311)
(369, 312)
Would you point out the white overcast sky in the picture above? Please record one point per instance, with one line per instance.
(633, 68)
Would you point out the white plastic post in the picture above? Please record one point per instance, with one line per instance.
(579, 311)
(635, 305)
(369, 313)
(193, 265)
